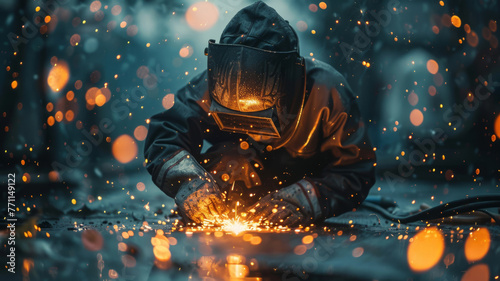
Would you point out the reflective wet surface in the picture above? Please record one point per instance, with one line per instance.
(139, 239)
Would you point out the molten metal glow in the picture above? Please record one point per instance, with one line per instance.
(235, 226)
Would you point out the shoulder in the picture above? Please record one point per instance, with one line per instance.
(195, 87)
(321, 73)
(325, 83)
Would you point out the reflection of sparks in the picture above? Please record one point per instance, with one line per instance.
(249, 104)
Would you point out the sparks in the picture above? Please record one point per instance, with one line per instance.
(236, 226)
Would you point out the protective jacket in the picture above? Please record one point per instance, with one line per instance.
(330, 147)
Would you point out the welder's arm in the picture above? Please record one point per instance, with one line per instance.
(175, 137)
(349, 174)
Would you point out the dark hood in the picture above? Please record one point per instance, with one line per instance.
(260, 26)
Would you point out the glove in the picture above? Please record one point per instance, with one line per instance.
(230, 163)
(290, 206)
(194, 190)
(200, 200)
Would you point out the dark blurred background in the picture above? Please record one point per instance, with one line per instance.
(81, 78)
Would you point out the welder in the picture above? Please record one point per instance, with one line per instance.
(263, 130)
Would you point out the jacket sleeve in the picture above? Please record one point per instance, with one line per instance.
(175, 138)
(349, 170)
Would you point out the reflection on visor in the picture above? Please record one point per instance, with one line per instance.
(246, 124)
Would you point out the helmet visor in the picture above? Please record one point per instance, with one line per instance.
(248, 79)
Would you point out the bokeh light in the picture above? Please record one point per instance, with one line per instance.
(95, 6)
(132, 30)
(416, 117)
(142, 71)
(128, 261)
(78, 84)
(51, 120)
(413, 98)
(301, 26)
(432, 66)
(26, 178)
(102, 96)
(92, 240)
(497, 126)
(58, 76)
(308, 239)
(59, 116)
(425, 249)
(75, 40)
(455, 20)
(161, 253)
(478, 272)
(472, 39)
(202, 16)
(358, 252)
(112, 274)
(300, 250)
(186, 51)
(140, 186)
(70, 95)
(124, 149)
(432, 90)
(91, 95)
(140, 132)
(168, 101)
(477, 244)
(116, 10)
(69, 115)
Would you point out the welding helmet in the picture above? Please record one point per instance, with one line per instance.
(256, 91)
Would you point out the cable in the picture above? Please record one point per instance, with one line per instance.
(451, 208)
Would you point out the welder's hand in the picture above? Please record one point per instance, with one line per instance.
(290, 206)
(200, 200)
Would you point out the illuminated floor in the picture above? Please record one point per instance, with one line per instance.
(133, 240)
